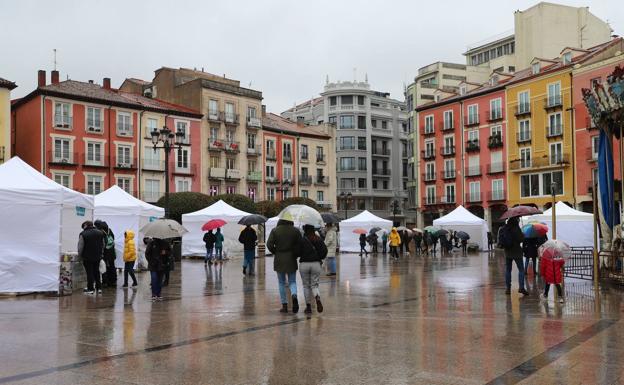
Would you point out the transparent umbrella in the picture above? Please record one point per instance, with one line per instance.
(163, 229)
(302, 214)
(555, 248)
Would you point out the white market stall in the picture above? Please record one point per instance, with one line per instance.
(574, 227)
(461, 219)
(349, 242)
(41, 221)
(121, 211)
(192, 242)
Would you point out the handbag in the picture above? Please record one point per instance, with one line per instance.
(102, 266)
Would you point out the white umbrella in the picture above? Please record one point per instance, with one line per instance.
(163, 229)
(305, 215)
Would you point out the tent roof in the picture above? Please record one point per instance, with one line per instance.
(459, 216)
(19, 181)
(117, 199)
(563, 212)
(366, 216)
(218, 209)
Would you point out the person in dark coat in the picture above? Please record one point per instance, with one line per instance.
(464, 246)
(311, 255)
(90, 250)
(418, 238)
(169, 264)
(490, 241)
(363, 245)
(209, 241)
(529, 249)
(158, 252)
(109, 279)
(284, 243)
(384, 242)
(248, 238)
(513, 253)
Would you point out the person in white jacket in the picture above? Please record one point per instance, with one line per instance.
(331, 241)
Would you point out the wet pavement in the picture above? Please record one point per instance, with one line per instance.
(415, 321)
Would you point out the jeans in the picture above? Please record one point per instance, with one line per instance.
(363, 249)
(157, 277)
(331, 264)
(310, 273)
(209, 255)
(248, 261)
(219, 252)
(508, 264)
(93, 274)
(292, 284)
(384, 246)
(526, 264)
(129, 269)
(394, 251)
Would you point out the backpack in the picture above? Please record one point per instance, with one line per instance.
(110, 241)
(505, 240)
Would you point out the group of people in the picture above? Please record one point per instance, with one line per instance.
(399, 242)
(214, 247)
(96, 249)
(304, 252)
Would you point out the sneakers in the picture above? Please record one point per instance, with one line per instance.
(308, 309)
(154, 298)
(295, 304)
(135, 284)
(99, 291)
(523, 292)
(319, 305)
(284, 308)
(90, 292)
(561, 300)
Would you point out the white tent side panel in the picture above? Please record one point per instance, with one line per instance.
(30, 247)
(461, 219)
(349, 241)
(574, 233)
(193, 241)
(71, 222)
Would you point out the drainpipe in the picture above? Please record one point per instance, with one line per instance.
(110, 146)
(139, 153)
(463, 155)
(43, 136)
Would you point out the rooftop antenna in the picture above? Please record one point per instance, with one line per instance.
(54, 58)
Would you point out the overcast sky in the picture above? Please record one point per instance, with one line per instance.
(284, 48)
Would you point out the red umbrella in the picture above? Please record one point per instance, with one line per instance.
(213, 224)
(360, 231)
(520, 211)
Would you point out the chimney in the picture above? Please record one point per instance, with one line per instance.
(54, 77)
(90, 81)
(106, 84)
(263, 110)
(41, 78)
(300, 122)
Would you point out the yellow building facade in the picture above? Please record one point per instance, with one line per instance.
(539, 135)
(5, 119)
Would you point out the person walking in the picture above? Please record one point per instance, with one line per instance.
(129, 258)
(219, 245)
(109, 279)
(157, 253)
(464, 246)
(331, 243)
(384, 242)
(209, 241)
(550, 270)
(90, 250)
(374, 240)
(285, 243)
(363, 245)
(418, 238)
(248, 238)
(312, 253)
(490, 241)
(395, 242)
(511, 238)
(529, 249)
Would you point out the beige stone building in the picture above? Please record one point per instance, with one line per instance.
(5, 119)
(231, 147)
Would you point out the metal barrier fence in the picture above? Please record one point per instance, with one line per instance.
(612, 266)
(581, 263)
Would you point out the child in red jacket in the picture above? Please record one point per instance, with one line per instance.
(550, 270)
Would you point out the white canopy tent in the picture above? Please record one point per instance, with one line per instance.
(192, 242)
(41, 220)
(461, 219)
(121, 211)
(349, 242)
(574, 227)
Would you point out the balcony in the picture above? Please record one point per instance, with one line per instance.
(523, 137)
(215, 144)
(589, 124)
(232, 173)
(321, 180)
(305, 180)
(324, 204)
(429, 177)
(381, 172)
(125, 164)
(591, 155)
(288, 182)
(448, 174)
(287, 157)
(472, 145)
(447, 125)
(431, 200)
(191, 169)
(522, 109)
(447, 150)
(254, 176)
(496, 195)
(554, 131)
(271, 180)
(232, 147)
(229, 118)
(474, 197)
(95, 161)
(495, 115)
(254, 123)
(270, 154)
(381, 152)
(473, 171)
(404, 154)
(495, 141)
(254, 151)
(304, 157)
(63, 159)
(428, 154)
(320, 159)
(471, 120)
(563, 160)
(495, 168)
(552, 102)
(216, 173)
(447, 199)
(428, 131)
(63, 122)
(213, 116)
(153, 165)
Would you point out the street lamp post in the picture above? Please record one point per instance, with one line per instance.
(347, 199)
(395, 211)
(553, 186)
(169, 141)
(284, 189)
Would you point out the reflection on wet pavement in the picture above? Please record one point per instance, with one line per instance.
(415, 321)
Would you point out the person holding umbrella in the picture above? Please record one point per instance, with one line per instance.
(331, 243)
(209, 241)
(511, 238)
(534, 237)
(219, 245)
(363, 245)
(157, 253)
(311, 255)
(248, 238)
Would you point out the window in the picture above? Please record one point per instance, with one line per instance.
(230, 189)
(450, 193)
(529, 185)
(305, 194)
(229, 135)
(151, 159)
(124, 156)
(304, 172)
(556, 153)
(385, 184)
(594, 146)
(567, 58)
(361, 122)
(215, 162)
(374, 123)
(125, 184)
(152, 190)
(473, 136)
(449, 144)
(347, 183)
(287, 173)
(61, 151)
(94, 153)
(535, 68)
(524, 130)
(449, 168)
(251, 112)
(384, 125)
(152, 124)
(496, 161)
(213, 109)
(361, 143)
(429, 124)
(124, 124)
(183, 127)
(320, 196)
(252, 193)
(63, 179)
(346, 99)
(214, 190)
(362, 164)
(448, 119)
(62, 115)
(554, 94)
(346, 121)
(214, 133)
(251, 166)
(347, 164)
(332, 120)
(497, 131)
(287, 150)
(320, 156)
(474, 189)
(332, 100)
(360, 100)
(361, 182)
(304, 151)
(251, 141)
(429, 148)
(548, 178)
(498, 191)
(429, 171)
(94, 184)
(554, 124)
(473, 165)
(270, 171)
(525, 157)
(230, 163)
(229, 112)
(473, 114)
(524, 102)
(496, 110)
(94, 119)
(270, 194)
(430, 196)
(183, 158)
(347, 143)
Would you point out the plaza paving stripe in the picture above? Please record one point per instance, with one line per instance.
(531, 366)
(43, 372)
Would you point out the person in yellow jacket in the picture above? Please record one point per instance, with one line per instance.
(395, 242)
(129, 257)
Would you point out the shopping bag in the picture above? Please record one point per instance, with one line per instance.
(102, 266)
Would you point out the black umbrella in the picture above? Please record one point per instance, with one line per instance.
(253, 219)
(441, 232)
(375, 229)
(330, 218)
(462, 235)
